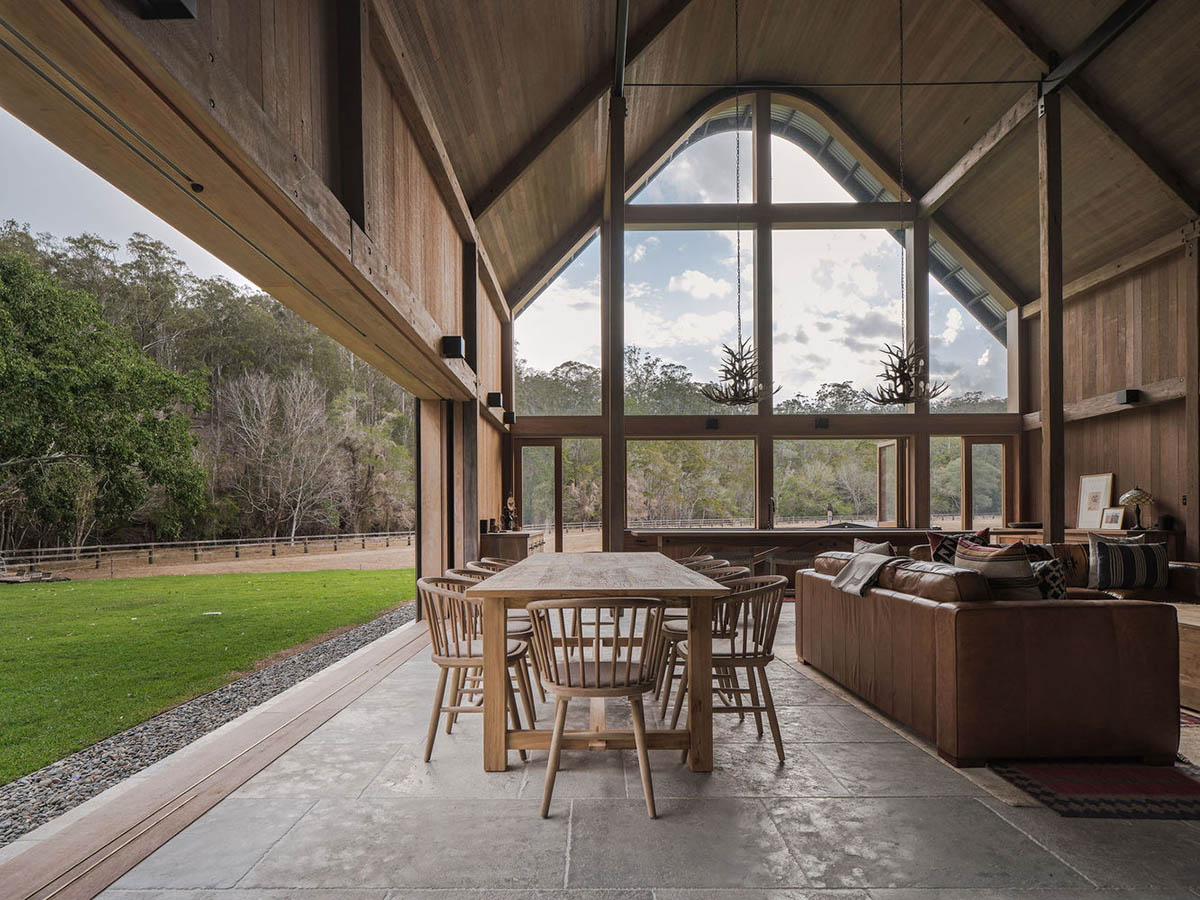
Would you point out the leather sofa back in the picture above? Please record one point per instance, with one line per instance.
(933, 581)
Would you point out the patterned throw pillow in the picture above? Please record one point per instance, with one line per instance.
(1051, 577)
(942, 544)
(1131, 565)
(1093, 540)
(1006, 569)
(886, 548)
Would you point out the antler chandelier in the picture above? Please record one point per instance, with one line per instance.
(739, 384)
(904, 379)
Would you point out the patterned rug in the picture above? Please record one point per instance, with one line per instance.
(1187, 717)
(1109, 790)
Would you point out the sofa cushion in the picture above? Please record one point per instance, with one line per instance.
(1051, 576)
(1130, 565)
(1007, 569)
(1093, 539)
(932, 581)
(883, 548)
(1074, 559)
(942, 544)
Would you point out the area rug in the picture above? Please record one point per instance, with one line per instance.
(1187, 717)
(1109, 790)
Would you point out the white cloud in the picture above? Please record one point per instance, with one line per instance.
(699, 285)
(954, 322)
(638, 253)
(983, 360)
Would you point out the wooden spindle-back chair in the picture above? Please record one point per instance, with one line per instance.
(456, 630)
(597, 648)
(744, 626)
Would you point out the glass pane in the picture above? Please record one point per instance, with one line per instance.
(680, 308)
(945, 482)
(680, 484)
(582, 497)
(820, 483)
(704, 168)
(965, 355)
(557, 352)
(796, 177)
(537, 493)
(887, 483)
(838, 299)
(987, 486)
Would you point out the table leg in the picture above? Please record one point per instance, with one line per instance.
(700, 714)
(495, 676)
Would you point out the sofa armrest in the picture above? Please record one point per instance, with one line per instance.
(1067, 678)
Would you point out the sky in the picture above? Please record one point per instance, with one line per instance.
(837, 293)
(52, 192)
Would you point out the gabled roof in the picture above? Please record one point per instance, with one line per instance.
(502, 72)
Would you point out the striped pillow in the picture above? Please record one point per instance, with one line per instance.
(943, 543)
(1007, 569)
(1093, 540)
(1131, 565)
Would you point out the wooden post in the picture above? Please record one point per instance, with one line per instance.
(612, 332)
(1191, 335)
(916, 324)
(1016, 490)
(507, 378)
(763, 316)
(1051, 279)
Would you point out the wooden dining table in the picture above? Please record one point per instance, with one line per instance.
(547, 576)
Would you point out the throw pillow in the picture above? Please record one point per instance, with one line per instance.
(1131, 565)
(885, 547)
(1094, 539)
(942, 544)
(1051, 577)
(1007, 569)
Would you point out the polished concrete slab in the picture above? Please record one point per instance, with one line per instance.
(858, 811)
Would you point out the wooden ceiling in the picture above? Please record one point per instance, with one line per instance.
(498, 71)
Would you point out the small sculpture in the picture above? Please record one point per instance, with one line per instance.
(508, 515)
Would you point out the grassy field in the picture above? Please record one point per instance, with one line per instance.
(80, 661)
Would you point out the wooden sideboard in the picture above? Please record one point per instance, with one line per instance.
(1080, 536)
(506, 544)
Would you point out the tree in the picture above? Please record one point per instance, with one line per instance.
(88, 423)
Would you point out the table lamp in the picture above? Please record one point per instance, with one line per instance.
(1136, 498)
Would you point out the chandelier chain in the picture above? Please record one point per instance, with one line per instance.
(737, 183)
(903, 256)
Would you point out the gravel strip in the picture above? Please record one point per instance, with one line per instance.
(40, 796)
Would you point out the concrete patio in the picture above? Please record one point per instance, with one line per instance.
(858, 811)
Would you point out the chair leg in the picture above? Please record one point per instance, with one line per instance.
(754, 698)
(537, 679)
(639, 738)
(669, 676)
(513, 715)
(735, 690)
(659, 660)
(560, 720)
(439, 694)
(455, 697)
(679, 698)
(770, 704)
(522, 669)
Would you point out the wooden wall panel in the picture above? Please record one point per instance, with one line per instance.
(1125, 333)
(433, 552)
(489, 367)
(491, 491)
(406, 217)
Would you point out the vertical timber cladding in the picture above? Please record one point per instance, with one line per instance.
(434, 500)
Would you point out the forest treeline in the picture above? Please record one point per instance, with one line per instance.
(141, 402)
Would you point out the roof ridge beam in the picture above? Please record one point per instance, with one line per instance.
(1097, 108)
(570, 111)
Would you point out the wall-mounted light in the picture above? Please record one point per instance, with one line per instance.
(1129, 395)
(168, 9)
(495, 399)
(510, 417)
(454, 346)
(821, 422)
(712, 424)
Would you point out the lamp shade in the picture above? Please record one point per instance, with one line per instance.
(1135, 497)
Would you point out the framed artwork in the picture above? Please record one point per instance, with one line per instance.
(1113, 518)
(1095, 494)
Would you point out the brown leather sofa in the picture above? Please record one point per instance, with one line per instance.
(989, 680)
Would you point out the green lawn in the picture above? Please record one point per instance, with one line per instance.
(82, 660)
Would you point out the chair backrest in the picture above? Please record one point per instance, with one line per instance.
(726, 574)
(694, 558)
(474, 575)
(455, 620)
(597, 643)
(745, 620)
(497, 561)
(488, 568)
(709, 563)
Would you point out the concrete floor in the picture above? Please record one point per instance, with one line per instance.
(857, 812)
